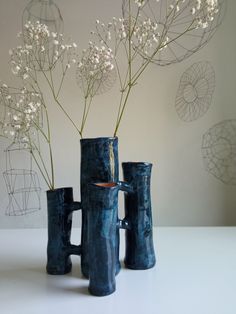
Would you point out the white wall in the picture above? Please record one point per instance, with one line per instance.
(183, 193)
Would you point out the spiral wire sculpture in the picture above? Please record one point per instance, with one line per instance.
(195, 91)
(219, 151)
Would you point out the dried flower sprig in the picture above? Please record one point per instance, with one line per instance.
(41, 53)
(40, 50)
(95, 75)
(141, 37)
(22, 112)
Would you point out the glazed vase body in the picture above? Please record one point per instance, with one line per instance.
(138, 212)
(60, 208)
(99, 163)
(102, 235)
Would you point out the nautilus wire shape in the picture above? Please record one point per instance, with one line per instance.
(183, 43)
(22, 183)
(196, 88)
(219, 151)
(46, 12)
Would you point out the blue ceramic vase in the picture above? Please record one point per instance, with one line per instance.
(99, 163)
(102, 231)
(138, 212)
(60, 208)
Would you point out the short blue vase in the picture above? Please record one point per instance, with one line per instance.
(61, 205)
(99, 163)
(140, 252)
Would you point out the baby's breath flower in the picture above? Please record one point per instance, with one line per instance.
(41, 50)
(23, 109)
(94, 68)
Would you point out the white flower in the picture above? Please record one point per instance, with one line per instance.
(21, 113)
(139, 3)
(40, 50)
(94, 67)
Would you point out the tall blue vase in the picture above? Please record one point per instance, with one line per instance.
(102, 235)
(99, 163)
(138, 212)
(59, 248)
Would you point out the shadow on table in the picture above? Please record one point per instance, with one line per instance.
(36, 279)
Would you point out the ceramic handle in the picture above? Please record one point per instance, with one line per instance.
(74, 250)
(125, 187)
(60, 208)
(124, 224)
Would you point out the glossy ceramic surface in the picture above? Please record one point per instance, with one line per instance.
(138, 212)
(102, 236)
(99, 163)
(60, 208)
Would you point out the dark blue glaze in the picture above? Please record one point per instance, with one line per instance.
(102, 236)
(99, 163)
(60, 207)
(138, 212)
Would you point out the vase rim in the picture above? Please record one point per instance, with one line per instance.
(106, 185)
(91, 139)
(59, 189)
(137, 163)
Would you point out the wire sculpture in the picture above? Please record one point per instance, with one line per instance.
(183, 44)
(46, 12)
(22, 185)
(219, 151)
(101, 84)
(196, 88)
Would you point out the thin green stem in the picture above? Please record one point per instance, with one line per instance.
(50, 186)
(66, 114)
(41, 159)
(86, 115)
(48, 181)
(122, 111)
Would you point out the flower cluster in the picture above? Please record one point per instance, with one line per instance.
(207, 10)
(139, 3)
(203, 11)
(95, 69)
(21, 110)
(40, 50)
(115, 30)
(145, 35)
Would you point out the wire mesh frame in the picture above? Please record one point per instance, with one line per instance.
(102, 83)
(22, 185)
(181, 46)
(219, 151)
(196, 88)
(46, 12)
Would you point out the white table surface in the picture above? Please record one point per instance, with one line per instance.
(195, 274)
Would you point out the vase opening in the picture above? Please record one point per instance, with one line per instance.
(106, 185)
